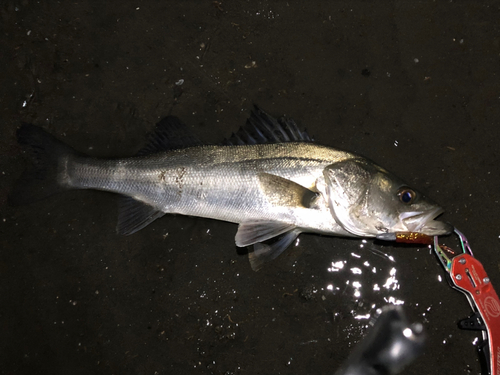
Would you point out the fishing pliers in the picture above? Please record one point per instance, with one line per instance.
(468, 276)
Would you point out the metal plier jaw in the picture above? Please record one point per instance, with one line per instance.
(468, 276)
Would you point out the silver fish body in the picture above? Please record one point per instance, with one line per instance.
(268, 178)
(219, 182)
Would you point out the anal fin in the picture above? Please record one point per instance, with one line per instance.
(134, 215)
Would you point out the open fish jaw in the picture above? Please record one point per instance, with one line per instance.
(424, 222)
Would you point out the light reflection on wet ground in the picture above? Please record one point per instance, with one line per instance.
(370, 286)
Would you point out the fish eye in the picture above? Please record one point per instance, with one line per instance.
(406, 195)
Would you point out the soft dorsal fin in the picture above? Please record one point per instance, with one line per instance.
(170, 134)
(282, 192)
(262, 128)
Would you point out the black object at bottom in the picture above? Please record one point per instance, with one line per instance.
(390, 345)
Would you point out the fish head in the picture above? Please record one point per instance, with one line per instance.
(368, 201)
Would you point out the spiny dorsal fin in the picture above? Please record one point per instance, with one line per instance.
(170, 134)
(262, 128)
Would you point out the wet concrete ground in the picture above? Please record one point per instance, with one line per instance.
(415, 87)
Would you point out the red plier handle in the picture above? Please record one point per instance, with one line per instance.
(468, 276)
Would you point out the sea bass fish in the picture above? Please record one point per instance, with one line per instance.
(269, 178)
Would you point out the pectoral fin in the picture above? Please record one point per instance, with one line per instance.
(263, 253)
(282, 192)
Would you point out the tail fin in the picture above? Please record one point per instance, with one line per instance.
(41, 179)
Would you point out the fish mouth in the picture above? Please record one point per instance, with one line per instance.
(424, 222)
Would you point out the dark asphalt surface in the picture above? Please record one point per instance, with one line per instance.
(413, 86)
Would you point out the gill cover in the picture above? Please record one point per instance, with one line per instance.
(347, 186)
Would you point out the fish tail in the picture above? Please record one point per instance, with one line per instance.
(43, 178)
